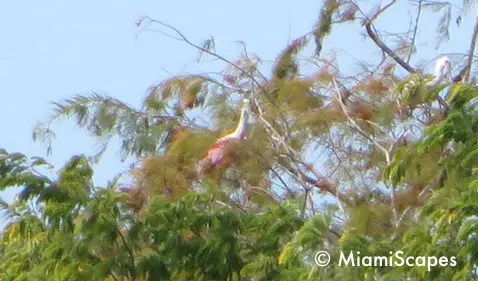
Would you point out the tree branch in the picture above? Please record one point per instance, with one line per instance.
(465, 71)
(415, 29)
(183, 38)
(380, 44)
(356, 126)
(130, 251)
(112, 275)
(296, 157)
(388, 153)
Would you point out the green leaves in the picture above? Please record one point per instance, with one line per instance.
(186, 89)
(192, 238)
(80, 233)
(447, 222)
(105, 117)
(308, 238)
(286, 66)
(17, 170)
(417, 189)
(324, 24)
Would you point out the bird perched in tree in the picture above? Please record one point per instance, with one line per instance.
(222, 153)
(442, 71)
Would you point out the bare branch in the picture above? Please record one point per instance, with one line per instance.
(386, 49)
(415, 29)
(356, 126)
(379, 12)
(183, 38)
(387, 152)
(465, 71)
(296, 157)
(380, 43)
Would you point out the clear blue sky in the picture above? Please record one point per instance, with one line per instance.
(52, 50)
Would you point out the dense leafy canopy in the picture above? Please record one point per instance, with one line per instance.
(401, 158)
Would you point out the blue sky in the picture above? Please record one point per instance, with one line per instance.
(52, 50)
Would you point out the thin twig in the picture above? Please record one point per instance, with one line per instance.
(112, 275)
(306, 197)
(130, 251)
(183, 38)
(409, 208)
(465, 71)
(293, 153)
(387, 152)
(355, 125)
(415, 29)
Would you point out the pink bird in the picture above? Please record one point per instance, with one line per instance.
(222, 153)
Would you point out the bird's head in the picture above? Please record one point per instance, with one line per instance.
(246, 105)
(443, 67)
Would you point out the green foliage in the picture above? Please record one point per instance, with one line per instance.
(448, 220)
(400, 164)
(324, 24)
(286, 66)
(105, 117)
(79, 233)
(187, 88)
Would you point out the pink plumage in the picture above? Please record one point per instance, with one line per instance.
(222, 153)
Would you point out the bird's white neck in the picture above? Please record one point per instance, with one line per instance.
(240, 131)
(442, 69)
